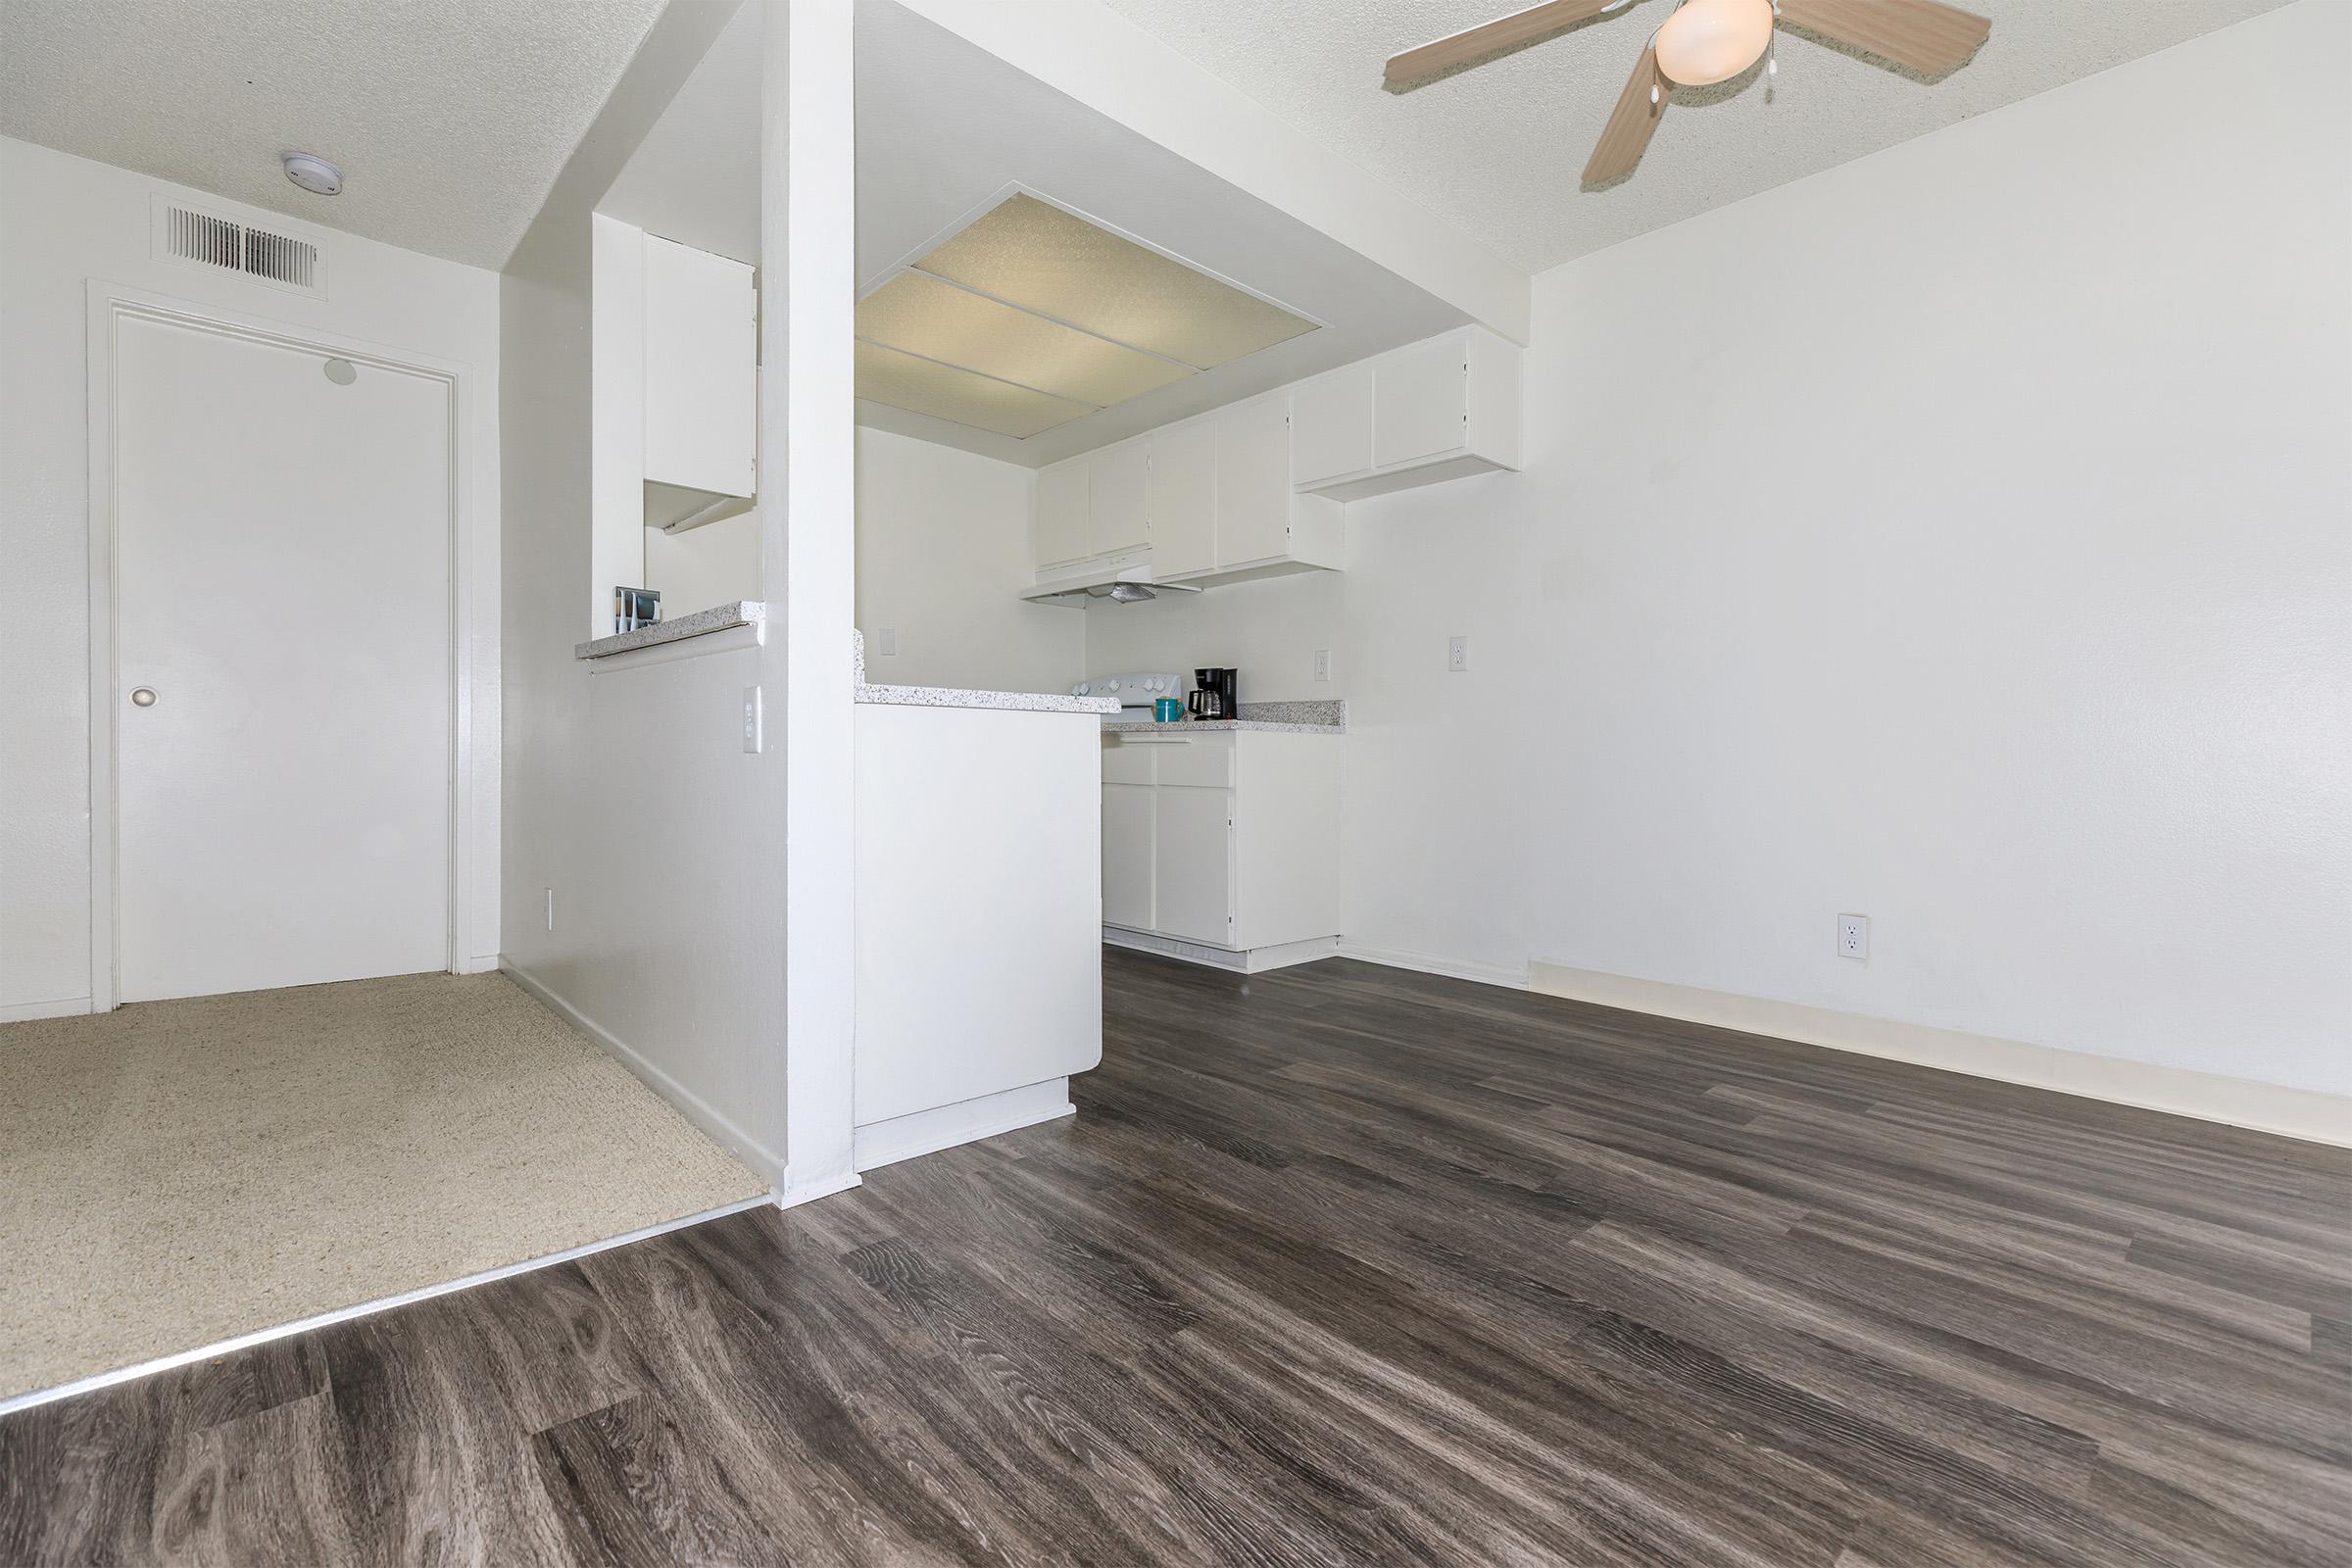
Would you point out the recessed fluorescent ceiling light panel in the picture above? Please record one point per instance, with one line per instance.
(1029, 318)
(920, 315)
(965, 397)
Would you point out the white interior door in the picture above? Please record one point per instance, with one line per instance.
(282, 589)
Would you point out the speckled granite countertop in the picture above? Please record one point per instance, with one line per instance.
(958, 697)
(1324, 718)
(719, 618)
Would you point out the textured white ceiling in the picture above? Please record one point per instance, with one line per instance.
(1498, 150)
(449, 119)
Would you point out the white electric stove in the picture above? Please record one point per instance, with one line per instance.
(1136, 692)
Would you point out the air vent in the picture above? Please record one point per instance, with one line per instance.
(184, 234)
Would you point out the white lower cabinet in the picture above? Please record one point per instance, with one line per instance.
(1127, 854)
(1228, 839)
(1192, 864)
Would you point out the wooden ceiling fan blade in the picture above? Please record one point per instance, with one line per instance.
(1926, 35)
(1639, 108)
(1521, 27)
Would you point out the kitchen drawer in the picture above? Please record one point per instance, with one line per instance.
(1205, 759)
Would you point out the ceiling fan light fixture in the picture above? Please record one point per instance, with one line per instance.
(1708, 42)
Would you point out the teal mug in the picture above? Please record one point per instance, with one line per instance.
(1167, 709)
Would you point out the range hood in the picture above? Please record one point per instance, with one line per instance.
(1123, 579)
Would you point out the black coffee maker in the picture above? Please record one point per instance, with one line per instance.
(1214, 695)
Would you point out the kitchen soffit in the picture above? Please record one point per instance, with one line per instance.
(1030, 317)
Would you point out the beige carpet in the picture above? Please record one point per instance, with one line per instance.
(176, 1173)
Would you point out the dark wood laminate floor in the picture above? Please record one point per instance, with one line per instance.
(1341, 1265)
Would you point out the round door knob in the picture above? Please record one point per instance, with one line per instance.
(142, 697)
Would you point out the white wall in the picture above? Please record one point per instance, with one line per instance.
(627, 791)
(1962, 536)
(698, 567)
(65, 221)
(943, 554)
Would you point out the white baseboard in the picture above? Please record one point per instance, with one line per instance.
(1257, 960)
(794, 1194)
(26, 1011)
(927, 1131)
(2304, 1113)
(1250, 960)
(765, 1162)
(344, 1315)
(1486, 974)
(480, 963)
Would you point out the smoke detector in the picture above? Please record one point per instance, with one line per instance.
(313, 174)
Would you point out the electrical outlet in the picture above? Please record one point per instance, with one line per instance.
(1322, 663)
(751, 719)
(1854, 936)
(551, 909)
(1457, 655)
(886, 641)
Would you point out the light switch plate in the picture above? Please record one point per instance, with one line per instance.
(886, 642)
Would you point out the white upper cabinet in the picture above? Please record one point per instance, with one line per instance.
(1254, 481)
(1061, 522)
(1265, 524)
(1418, 414)
(1419, 400)
(700, 371)
(1258, 488)
(1331, 425)
(1118, 481)
(1182, 499)
(1213, 498)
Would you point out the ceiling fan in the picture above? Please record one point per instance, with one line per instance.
(1704, 42)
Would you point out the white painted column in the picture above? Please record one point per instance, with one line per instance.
(616, 416)
(808, 455)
